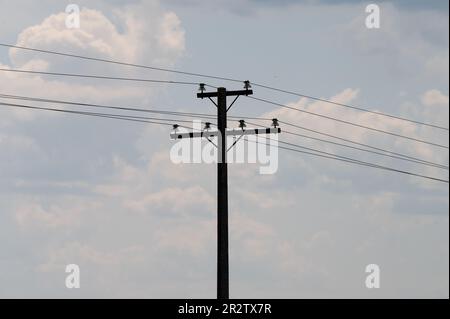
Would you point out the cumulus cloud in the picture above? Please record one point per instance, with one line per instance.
(148, 33)
(137, 33)
(140, 33)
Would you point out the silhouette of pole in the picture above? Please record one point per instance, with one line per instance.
(223, 291)
(222, 198)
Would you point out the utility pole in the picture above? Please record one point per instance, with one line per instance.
(223, 290)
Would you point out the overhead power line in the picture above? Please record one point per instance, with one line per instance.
(317, 152)
(224, 79)
(348, 122)
(361, 163)
(119, 63)
(210, 116)
(413, 160)
(101, 106)
(323, 152)
(97, 77)
(104, 115)
(351, 141)
(351, 106)
(107, 114)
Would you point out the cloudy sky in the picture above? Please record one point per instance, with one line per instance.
(104, 194)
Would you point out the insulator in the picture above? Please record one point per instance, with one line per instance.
(275, 123)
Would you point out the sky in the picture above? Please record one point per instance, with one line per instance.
(104, 194)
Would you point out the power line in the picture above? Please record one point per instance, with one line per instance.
(98, 77)
(348, 122)
(413, 160)
(322, 152)
(351, 160)
(351, 106)
(105, 115)
(141, 119)
(173, 113)
(119, 63)
(351, 141)
(369, 165)
(387, 152)
(121, 108)
(224, 79)
(26, 98)
(209, 116)
(318, 152)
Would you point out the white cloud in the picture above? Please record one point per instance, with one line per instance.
(150, 35)
(99, 37)
(435, 98)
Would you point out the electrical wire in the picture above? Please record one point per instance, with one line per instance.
(209, 117)
(317, 152)
(97, 77)
(105, 115)
(165, 112)
(349, 123)
(119, 63)
(224, 79)
(350, 141)
(322, 154)
(350, 106)
(413, 160)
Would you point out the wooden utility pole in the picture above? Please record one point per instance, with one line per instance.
(223, 291)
